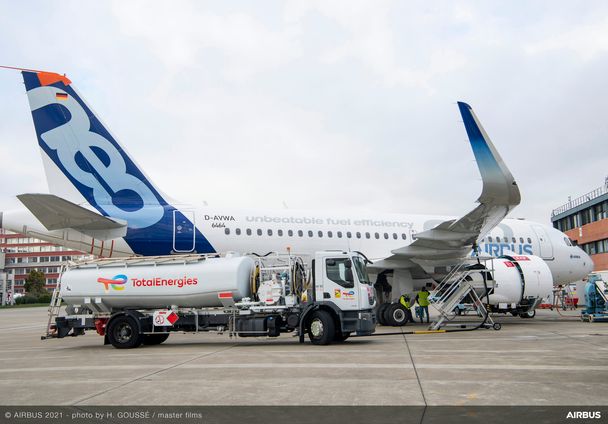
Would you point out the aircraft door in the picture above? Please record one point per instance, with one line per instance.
(184, 234)
(545, 246)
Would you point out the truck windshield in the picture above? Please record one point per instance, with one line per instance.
(361, 270)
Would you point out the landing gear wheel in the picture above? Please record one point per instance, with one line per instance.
(123, 333)
(321, 328)
(497, 326)
(396, 315)
(528, 314)
(380, 313)
(155, 339)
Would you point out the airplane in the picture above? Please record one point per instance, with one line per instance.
(101, 202)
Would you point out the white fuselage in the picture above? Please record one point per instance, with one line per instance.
(304, 232)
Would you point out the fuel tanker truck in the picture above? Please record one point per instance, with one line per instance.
(142, 300)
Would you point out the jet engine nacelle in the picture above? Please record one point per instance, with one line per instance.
(520, 281)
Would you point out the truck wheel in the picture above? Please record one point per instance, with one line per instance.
(396, 315)
(155, 339)
(380, 313)
(123, 333)
(321, 328)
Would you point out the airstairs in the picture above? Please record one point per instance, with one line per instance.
(466, 284)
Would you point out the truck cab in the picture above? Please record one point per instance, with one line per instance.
(343, 292)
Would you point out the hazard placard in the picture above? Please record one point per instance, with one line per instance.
(164, 318)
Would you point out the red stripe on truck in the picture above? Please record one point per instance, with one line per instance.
(224, 295)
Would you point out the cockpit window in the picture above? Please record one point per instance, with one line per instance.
(567, 240)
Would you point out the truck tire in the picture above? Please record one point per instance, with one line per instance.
(123, 332)
(155, 339)
(380, 313)
(396, 315)
(321, 328)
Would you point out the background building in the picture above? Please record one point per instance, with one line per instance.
(20, 254)
(585, 220)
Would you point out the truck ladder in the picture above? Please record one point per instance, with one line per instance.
(452, 290)
(54, 307)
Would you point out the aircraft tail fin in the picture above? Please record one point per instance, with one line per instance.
(83, 161)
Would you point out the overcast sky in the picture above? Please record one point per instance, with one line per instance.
(343, 105)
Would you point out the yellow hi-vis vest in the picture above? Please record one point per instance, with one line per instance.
(423, 298)
(405, 303)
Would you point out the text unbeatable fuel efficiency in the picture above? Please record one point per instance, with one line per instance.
(163, 282)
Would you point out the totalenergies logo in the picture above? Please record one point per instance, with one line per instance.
(117, 282)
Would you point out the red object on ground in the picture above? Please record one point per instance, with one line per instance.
(100, 326)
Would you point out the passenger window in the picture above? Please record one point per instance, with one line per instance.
(238, 231)
(358, 234)
(320, 234)
(280, 233)
(521, 239)
(514, 240)
(348, 234)
(490, 239)
(269, 232)
(385, 236)
(259, 232)
(330, 234)
(290, 233)
(340, 271)
(227, 231)
(300, 233)
(309, 233)
(377, 235)
(497, 239)
(339, 234)
(248, 231)
(403, 236)
(394, 236)
(529, 240)
(367, 235)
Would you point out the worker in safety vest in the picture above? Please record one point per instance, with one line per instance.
(423, 301)
(404, 300)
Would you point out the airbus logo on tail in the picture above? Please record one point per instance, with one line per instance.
(95, 163)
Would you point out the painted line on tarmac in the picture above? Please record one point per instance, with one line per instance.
(20, 358)
(522, 367)
(205, 366)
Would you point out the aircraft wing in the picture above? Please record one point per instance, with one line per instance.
(56, 213)
(455, 238)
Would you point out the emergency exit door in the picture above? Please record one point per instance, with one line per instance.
(545, 246)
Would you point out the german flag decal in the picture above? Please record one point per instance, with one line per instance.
(61, 96)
